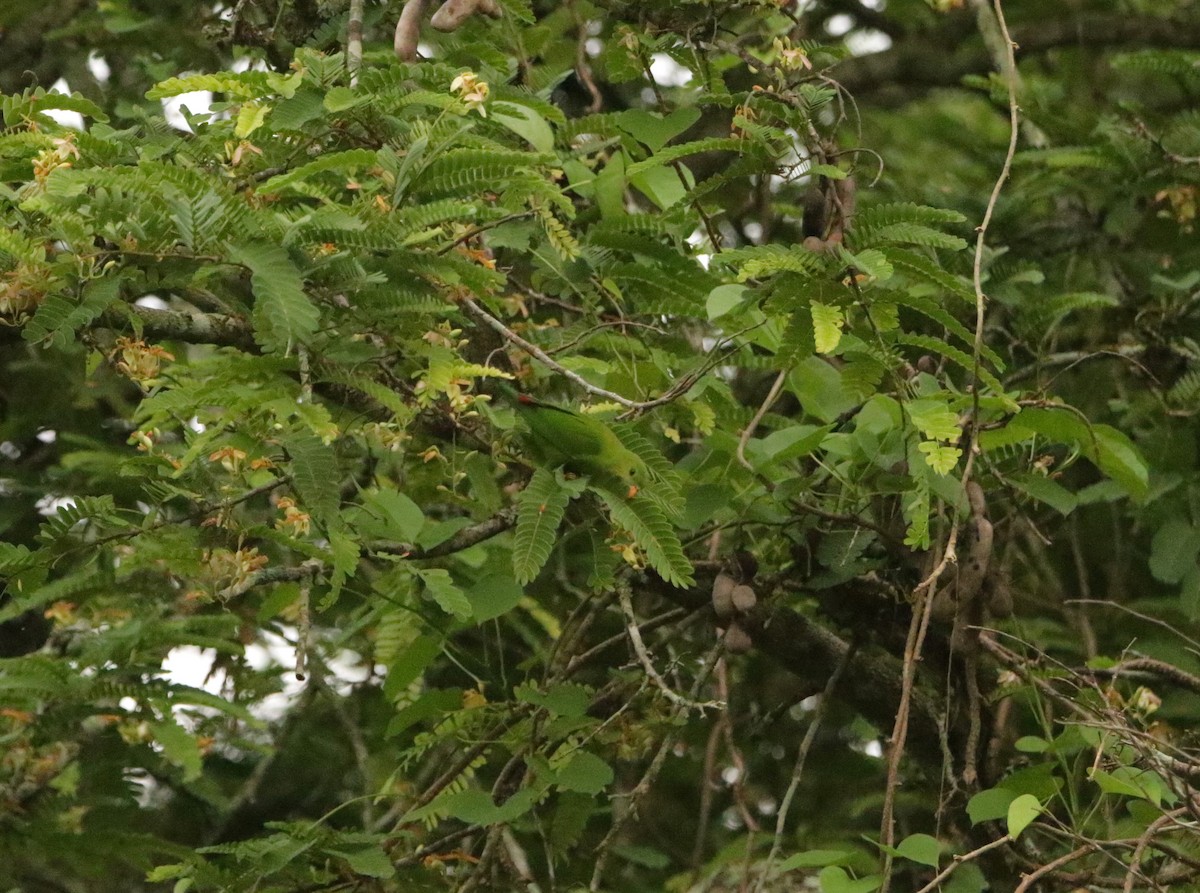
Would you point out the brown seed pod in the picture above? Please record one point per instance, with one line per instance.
(737, 640)
(722, 596)
(408, 30)
(453, 13)
(743, 598)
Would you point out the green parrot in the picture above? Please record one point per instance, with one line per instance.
(561, 438)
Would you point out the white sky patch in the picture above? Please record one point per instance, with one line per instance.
(696, 239)
(198, 102)
(63, 116)
(196, 425)
(152, 302)
(593, 46)
(189, 665)
(872, 748)
(47, 435)
(839, 24)
(864, 43)
(10, 450)
(667, 72)
(49, 504)
(99, 68)
(275, 652)
(246, 63)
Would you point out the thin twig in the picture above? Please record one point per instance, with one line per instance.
(1030, 879)
(962, 860)
(772, 396)
(806, 744)
(536, 352)
(647, 780)
(949, 554)
(1138, 614)
(639, 647)
(1135, 861)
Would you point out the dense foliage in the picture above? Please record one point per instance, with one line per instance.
(905, 342)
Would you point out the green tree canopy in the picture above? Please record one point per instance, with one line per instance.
(892, 308)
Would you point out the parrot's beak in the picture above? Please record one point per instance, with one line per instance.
(633, 491)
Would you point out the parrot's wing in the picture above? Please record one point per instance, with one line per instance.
(564, 432)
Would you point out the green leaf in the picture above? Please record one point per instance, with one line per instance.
(655, 130)
(1129, 781)
(344, 554)
(411, 663)
(1173, 550)
(315, 476)
(1021, 813)
(339, 99)
(540, 509)
(240, 85)
(250, 117)
(967, 878)
(1189, 593)
(990, 805)
(1046, 490)
(442, 590)
(651, 530)
(724, 299)
(938, 346)
(494, 596)
(835, 880)
(920, 848)
(524, 122)
(792, 442)
(815, 859)
(827, 326)
(394, 514)
(661, 185)
(940, 457)
(369, 861)
(59, 316)
(565, 699)
(476, 807)
(342, 162)
(586, 773)
(934, 419)
(872, 262)
(179, 747)
(1119, 459)
(284, 316)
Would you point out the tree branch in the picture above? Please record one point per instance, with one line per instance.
(178, 325)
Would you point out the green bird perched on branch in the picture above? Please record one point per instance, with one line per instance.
(560, 438)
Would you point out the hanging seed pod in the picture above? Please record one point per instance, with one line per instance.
(737, 640)
(743, 598)
(722, 596)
